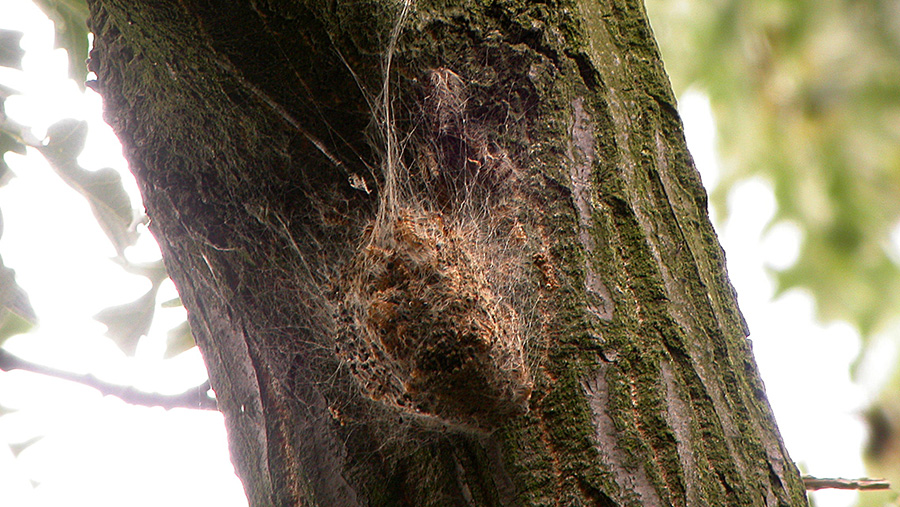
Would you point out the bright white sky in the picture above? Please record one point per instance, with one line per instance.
(99, 451)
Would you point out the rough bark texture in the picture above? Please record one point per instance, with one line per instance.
(442, 253)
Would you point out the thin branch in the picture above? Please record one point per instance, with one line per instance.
(194, 398)
(815, 483)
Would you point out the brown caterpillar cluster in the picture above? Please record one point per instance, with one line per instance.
(453, 349)
(428, 323)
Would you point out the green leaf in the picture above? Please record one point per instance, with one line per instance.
(172, 303)
(154, 271)
(126, 324)
(103, 188)
(178, 340)
(12, 324)
(21, 446)
(66, 138)
(16, 314)
(11, 52)
(70, 23)
(10, 143)
(10, 135)
(4, 410)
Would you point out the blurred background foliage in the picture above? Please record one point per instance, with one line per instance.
(806, 96)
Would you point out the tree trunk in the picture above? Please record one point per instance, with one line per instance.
(442, 253)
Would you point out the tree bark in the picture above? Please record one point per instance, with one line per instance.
(442, 253)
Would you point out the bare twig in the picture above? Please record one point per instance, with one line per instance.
(194, 398)
(816, 483)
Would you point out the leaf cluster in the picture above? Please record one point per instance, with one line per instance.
(103, 190)
(16, 313)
